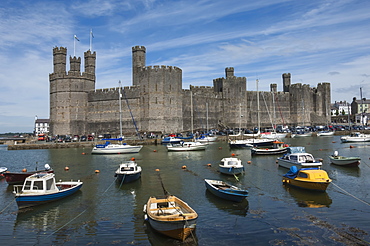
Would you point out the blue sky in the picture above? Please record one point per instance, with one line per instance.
(316, 41)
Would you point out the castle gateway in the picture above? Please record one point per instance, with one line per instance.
(157, 102)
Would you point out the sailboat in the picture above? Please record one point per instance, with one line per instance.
(301, 131)
(118, 148)
(273, 134)
(255, 141)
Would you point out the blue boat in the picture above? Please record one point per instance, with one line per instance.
(231, 166)
(225, 190)
(128, 172)
(41, 188)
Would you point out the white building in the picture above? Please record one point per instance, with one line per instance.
(41, 126)
(341, 107)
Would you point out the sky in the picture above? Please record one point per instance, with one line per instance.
(314, 40)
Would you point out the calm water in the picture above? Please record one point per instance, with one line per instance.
(107, 214)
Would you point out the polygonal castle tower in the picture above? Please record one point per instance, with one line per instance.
(160, 93)
(69, 92)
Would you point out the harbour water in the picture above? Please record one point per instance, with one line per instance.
(105, 213)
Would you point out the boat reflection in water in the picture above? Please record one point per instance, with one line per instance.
(41, 218)
(235, 208)
(156, 238)
(307, 198)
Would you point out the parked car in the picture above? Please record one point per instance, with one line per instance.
(83, 138)
(75, 138)
(90, 138)
(41, 137)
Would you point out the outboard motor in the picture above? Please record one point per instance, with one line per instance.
(335, 153)
(47, 167)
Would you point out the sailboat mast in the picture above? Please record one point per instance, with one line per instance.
(258, 107)
(120, 109)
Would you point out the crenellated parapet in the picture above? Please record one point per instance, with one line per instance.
(157, 68)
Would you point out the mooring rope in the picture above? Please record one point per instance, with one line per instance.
(7, 205)
(78, 214)
(346, 192)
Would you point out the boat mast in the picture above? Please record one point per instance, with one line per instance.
(362, 108)
(207, 115)
(240, 118)
(258, 108)
(120, 109)
(191, 112)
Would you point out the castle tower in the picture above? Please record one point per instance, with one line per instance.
(273, 88)
(90, 60)
(59, 60)
(286, 82)
(138, 61)
(75, 65)
(69, 94)
(229, 72)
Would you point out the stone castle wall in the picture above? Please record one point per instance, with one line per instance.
(158, 103)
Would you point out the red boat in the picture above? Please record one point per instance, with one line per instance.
(19, 177)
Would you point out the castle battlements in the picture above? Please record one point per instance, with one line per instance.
(159, 104)
(160, 68)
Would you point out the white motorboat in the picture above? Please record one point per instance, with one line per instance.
(41, 188)
(187, 146)
(297, 156)
(231, 166)
(128, 171)
(109, 148)
(355, 137)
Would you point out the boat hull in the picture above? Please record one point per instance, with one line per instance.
(19, 178)
(128, 178)
(308, 185)
(25, 200)
(288, 164)
(248, 143)
(231, 195)
(176, 229)
(354, 139)
(117, 150)
(345, 161)
(231, 170)
(267, 151)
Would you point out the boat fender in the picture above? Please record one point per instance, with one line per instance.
(24, 170)
(144, 208)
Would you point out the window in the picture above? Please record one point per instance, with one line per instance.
(49, 182)
(37, 185)
(27, 186)
(302, 175)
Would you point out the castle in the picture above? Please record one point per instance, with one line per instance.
(156, 101)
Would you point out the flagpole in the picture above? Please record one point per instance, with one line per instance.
(91, 40)
(74, 45)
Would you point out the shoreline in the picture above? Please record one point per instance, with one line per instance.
(154, 141)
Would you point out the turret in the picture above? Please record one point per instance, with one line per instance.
(59, 59)
(229, 72)
(138, 61)
(74, 64)
(90, 59)
(286, 82)
(273, 88)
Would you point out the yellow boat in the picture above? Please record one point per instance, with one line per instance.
(307, 178)
(171, 216)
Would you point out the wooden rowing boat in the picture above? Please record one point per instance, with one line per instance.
(170, 216)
